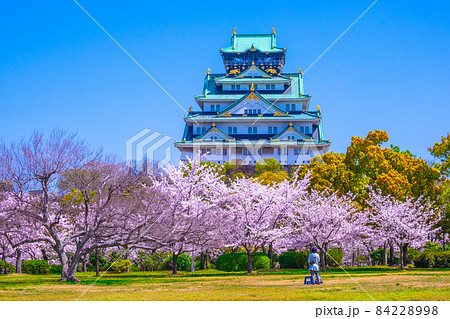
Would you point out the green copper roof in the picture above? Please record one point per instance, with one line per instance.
(262, 98)
(295, 130)
(212, 92)
(218, 130)
(239, 143)
(244, 42)
(291, 116)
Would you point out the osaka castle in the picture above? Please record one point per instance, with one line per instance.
(254, 110)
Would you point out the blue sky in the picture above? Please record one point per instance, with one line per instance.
(59, 70)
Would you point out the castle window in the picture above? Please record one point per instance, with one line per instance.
(238, 87)
(198, 130)
(296, 151)
(217, 108)
(225, 151)
(252, 130)
(233, 87)
(245, 111)
(304, 129)
(232, 130)
(272, 86)
(267, 86)
(203, 130)
(292, 107)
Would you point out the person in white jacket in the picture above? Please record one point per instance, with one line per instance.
(313, 262)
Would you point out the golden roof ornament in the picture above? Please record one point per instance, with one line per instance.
(190, 109)
(234, 31)
(318, 107)
(290, 123)
(273, 31)
(300, 70)
(214, 124)
(207, 71)
(252, 88)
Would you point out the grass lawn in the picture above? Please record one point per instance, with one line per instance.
(382, 283)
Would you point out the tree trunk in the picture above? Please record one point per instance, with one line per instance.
(67, 274)
(175, 264)
(323, 258)
(202, 261)
(192, 262)
(18, 261)
(84, 265)
(271, 255)
(385, 255)
(235, 250)
(250, 261)
(97, 266)
(405, 255)
(391, 255)
(44, 255)
(402, 262)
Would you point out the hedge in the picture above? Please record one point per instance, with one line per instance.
(6, 268)
(232, 262)
(239, 262)
(293, 259)
(429, 259)
(35, 267)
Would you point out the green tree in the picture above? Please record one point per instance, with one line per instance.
(441, 151)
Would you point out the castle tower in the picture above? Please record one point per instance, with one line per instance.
(255, 110)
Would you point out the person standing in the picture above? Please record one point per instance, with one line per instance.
(313, 261)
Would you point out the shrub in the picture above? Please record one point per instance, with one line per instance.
(432, 247)
(377, 256)
(412, 254)
(239, 262)
(121, 265)
(442, 259)
(103, 263)
(6, 268)
(184, 262)
(430, 259)
(293, 259)
(55, 269)
(424, 260)
(35, 267)
(154, 261)
(134, 268)
(232, 262)
(260, 261)
(337, 255)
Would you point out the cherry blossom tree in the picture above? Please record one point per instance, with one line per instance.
(407, 223)
(66, 196)
(326, 220)
(257, 212)
(194, 216)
